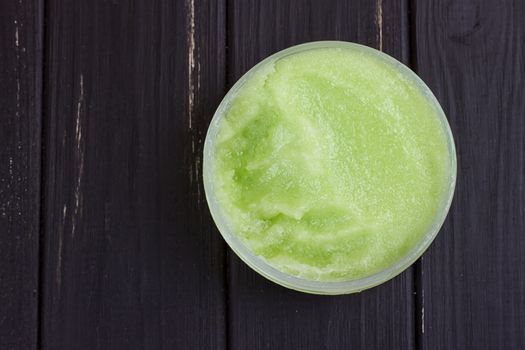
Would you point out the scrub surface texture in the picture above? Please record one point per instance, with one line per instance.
(330, 164)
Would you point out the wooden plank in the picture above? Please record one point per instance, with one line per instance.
(20, 131)
(472, 286)
(264, 315)
(130, 260)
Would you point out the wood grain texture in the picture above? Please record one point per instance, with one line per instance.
(20, 132)
(472, 54)
(262, 314)
(131, 258)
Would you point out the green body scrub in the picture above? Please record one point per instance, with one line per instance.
(330, 164)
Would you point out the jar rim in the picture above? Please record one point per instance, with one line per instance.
(256, 262)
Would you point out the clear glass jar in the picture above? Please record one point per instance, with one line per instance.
(259, 264)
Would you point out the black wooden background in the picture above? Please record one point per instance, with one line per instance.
(106, 241)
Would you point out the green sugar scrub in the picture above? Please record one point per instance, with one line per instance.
(329, 164)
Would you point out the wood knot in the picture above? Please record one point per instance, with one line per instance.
(463, 19)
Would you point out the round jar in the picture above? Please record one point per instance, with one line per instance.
(414, 135)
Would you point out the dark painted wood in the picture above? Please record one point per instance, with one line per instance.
(264, 315)
(472, 287)
(20, 131)
(131, 259)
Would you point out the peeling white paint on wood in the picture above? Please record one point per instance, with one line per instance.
(191, 59)
(379, 22)
(17, 42)
(79, 153)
